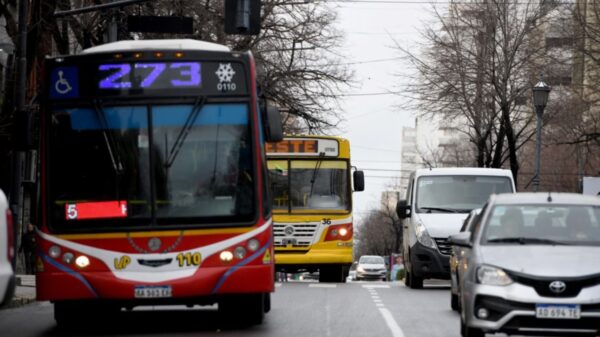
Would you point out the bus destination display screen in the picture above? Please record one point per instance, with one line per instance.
(144, 78)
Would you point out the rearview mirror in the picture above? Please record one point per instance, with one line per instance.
(273, 127)
(462, 239)
(403, 209)
(359, 181)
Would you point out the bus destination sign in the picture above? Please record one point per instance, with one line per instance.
(143, 78)
(304, 146)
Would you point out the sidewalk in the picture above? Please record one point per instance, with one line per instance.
(24, 291)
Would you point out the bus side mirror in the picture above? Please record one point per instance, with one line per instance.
(403, 209)
(273, 127)
(359, 181)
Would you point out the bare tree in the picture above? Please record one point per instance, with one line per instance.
(477, 67)
(380, 233)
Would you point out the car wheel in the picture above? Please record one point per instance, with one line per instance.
(454, 301)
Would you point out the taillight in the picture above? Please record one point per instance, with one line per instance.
(10, 237)
(339, 232)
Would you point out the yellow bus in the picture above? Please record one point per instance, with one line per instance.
(312, 204)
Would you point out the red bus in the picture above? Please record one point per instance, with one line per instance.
(153, 183)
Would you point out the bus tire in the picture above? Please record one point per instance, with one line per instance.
(332, 274)
(267, 302)
(243, 309)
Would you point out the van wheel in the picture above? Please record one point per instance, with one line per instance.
(454, 301)
(415, 282)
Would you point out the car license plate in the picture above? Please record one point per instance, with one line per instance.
(153, 291)
(558, 311)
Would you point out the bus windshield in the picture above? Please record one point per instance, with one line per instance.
(172, 164)
(309, 185)
(457, 194)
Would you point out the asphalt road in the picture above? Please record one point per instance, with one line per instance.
(298, 309)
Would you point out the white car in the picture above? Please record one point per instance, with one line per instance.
(7, 252)
(371, 267)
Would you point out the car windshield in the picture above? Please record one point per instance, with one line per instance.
(371, 260)
(174, 163)
(457, 194)
(543, 224)
(309, 185)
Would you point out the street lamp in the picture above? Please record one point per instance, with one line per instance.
(540, 98)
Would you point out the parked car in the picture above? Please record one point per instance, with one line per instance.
(437, 202)
(456, 258)
(371, 267)
(7, 252)
(533, 266)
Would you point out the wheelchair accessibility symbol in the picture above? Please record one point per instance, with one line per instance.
(62, 86)
(64, 83)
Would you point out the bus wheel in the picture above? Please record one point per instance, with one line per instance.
(243, 309)
(267, 302)
(332, 274)
(78, 314)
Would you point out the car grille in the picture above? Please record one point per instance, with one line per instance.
(443, 245)
(302, 236)
(542, 284)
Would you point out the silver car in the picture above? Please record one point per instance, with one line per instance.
(533, 266)
(459, 253)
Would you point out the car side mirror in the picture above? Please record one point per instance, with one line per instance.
(273, 127)
(359, 181)
(462, 239)
(403, 209)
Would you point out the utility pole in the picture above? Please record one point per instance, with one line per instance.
(18, 154)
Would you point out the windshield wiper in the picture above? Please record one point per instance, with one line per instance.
(314, 175)
(185, 130)
(524, 241)
(440, 209)
(109, 140)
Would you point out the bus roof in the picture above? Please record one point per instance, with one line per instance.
(172, 44)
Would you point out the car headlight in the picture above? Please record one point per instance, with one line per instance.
(423, 237)
(493, 276)
(360, 269)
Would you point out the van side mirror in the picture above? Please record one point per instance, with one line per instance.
(359, 181)
(403, 209)
(273, 127)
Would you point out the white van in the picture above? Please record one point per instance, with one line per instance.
(437, 202)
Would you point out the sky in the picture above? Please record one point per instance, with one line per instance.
(374, 122)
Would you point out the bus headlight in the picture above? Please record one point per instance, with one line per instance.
(82, 261)
(253, 245)
(68, 258)
(343, 231)
(240, 252)
(226, 256)
(54, 252)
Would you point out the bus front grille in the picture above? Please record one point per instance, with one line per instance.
(294, 235)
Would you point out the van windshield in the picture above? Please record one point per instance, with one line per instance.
(457, 194)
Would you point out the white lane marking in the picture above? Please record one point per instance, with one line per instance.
(391, 322)
(379, 305)
(377, 301)
(371, 286)
(319, 285)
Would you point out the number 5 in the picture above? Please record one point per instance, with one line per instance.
(72, 212)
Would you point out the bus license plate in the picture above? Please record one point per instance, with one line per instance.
(153, 291)
(558, 311)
